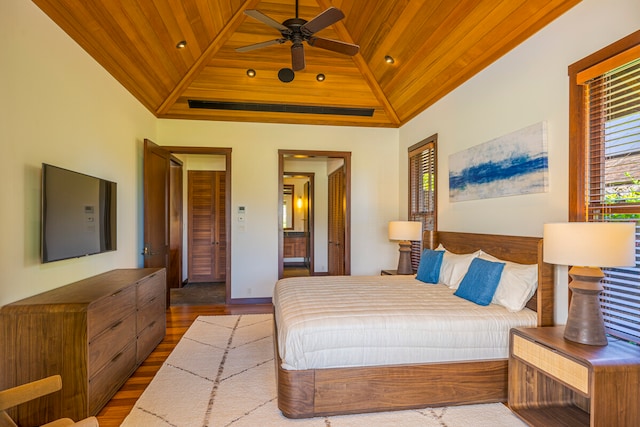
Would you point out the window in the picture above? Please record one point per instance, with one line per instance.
(422, 189)
(605, 149)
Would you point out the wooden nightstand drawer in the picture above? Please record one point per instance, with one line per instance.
(564, 369)
(554, 381)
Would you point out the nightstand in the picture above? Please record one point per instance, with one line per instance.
(553, 381)
(393, 273)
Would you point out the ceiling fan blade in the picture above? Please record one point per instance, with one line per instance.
(256, 14)
(297, 57)
(334, 45)
(326, 18)
(260, 45)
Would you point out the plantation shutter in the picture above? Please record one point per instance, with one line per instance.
(422, 190)
(613, 182)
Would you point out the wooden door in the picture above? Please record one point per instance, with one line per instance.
(206, 231)
(337, 204)
(308, 226)
(174, 270)
(156, 193)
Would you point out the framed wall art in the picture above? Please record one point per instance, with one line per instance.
(513, 164)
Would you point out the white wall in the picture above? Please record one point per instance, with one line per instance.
(58, 106)
(528, 85)
(254, 184)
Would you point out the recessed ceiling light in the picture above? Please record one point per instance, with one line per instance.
(389, 59)
(251, 72)
(320, 77)
(181, 44)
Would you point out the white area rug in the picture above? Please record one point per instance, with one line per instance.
(222, 373)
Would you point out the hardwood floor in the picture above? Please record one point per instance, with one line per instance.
(179, 318)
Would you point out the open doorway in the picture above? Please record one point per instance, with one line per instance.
(318, 207)
(218, 259)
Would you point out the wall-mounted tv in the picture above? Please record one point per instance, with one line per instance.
(78, 214)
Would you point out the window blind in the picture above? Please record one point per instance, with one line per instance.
(613, 183)
(422, 190)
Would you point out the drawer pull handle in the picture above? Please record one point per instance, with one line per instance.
(116, 357)
(152, 323)
(115, 325)
(116, 293)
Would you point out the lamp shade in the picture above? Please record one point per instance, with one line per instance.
(405, 230)
(590, 244)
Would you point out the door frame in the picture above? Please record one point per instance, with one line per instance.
(217, 151)
(346, 158)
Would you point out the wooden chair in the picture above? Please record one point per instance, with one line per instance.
(26, 392)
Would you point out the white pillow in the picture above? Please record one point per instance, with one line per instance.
(517, 284)
(454, 267)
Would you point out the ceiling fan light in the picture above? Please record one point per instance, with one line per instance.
(320, 77)
(389, 59)
(251, 72)
(181, 44)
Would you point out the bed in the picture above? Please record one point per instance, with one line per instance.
(308, 391)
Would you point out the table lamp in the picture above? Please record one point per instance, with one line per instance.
(404, 232)
(587, 246)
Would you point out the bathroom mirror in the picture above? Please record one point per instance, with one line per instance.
(287, 207)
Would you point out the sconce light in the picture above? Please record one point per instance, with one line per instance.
(320, 77)
(389, 59)
(299, 202)
(181, 44)
(251, 72)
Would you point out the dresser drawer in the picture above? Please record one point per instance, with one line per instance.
(108, 310)
(150, 338)
(108, 344)
(567, 370)
(111, 377)
(151, 288)
(152, 312)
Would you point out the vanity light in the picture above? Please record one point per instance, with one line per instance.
(181, 44)
(389, 59)
(251, 72)
(299, 202)
(320, 77)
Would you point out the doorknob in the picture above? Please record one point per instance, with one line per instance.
(146, 251)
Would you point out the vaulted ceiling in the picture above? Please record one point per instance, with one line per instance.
(436, 45)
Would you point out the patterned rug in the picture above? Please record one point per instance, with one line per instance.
(221, 373)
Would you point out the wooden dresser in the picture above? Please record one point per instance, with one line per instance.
(94, 333)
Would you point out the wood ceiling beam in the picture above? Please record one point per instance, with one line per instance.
(204, 59)
(362, 65)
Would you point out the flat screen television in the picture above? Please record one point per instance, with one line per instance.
(78, 214)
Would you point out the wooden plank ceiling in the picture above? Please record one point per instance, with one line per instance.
(437, 45)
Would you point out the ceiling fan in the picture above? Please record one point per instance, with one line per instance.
(297, 30)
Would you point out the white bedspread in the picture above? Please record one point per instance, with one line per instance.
(347, 321)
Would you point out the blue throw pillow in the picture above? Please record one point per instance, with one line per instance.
(429, 267)
(481, 281)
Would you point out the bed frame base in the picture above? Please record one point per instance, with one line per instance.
(312, 393)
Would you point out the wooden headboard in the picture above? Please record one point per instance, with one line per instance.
(519, 249)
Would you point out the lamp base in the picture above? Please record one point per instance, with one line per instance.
(404, 262)
(585, 323)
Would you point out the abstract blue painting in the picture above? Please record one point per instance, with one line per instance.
(514, 164)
